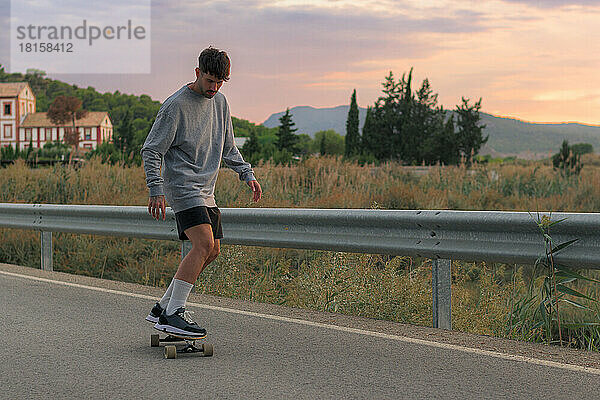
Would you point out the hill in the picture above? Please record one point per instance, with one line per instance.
(310, 120)
(511, 136)
(508, 136)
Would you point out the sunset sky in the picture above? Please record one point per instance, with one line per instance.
(533, 60)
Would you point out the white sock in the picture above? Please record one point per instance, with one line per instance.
(179, 294)
(167, 296)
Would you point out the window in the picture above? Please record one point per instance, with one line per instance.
(7, 131)
(7, 109)
(48, 134)
(88, 133)
(27, 133)
(87, 146)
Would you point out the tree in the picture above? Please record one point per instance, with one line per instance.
(567, 161)
(64, 109)
(410, 127)
(582, 148)
(35, 72)
(282, 156)
(286, 139)
(107, 152)
(389, 113)
(330, 142)
(369, 132)
(304, 145)
(352, 145)
(442, 146)
(384, 133)
(8, 153)
(252, 149)
(470, 134)
(53, 151)
(29, 149)
(123, 137)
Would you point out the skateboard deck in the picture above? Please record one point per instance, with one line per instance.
(190, 347)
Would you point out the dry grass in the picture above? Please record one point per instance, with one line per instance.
(394, 288)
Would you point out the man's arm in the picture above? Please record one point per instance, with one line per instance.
(157, 143)
(232, 156)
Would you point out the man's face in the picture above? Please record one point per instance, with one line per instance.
(209, 84)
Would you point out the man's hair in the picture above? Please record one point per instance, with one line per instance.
(215, 62)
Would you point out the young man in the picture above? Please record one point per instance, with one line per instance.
(192, 133)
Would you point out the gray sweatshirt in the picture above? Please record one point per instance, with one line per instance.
(192, 134)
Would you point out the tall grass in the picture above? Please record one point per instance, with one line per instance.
(487, 299)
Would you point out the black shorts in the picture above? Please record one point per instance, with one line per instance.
(197, 216)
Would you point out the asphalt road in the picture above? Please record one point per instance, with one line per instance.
(62, 341)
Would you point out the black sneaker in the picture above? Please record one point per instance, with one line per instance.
(155, 313)
(179, 323)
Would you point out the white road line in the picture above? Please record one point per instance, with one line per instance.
(535, 361)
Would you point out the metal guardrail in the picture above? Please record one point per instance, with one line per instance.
(495, 236)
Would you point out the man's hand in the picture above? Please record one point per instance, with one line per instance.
(256, 190)
(156, 204)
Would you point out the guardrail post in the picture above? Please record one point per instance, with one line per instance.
(46, 251)
(186, 246)
(442, 295)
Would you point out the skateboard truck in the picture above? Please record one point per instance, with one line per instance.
(171, 350)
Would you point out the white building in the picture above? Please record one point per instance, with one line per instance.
(20, 125)
(94, 128)
(16, 101)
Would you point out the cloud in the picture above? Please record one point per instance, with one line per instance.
(311, 38)
(67, 11)
(555, 3)
(518, 55)
(567, 95)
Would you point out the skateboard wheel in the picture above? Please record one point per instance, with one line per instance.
(207, 350)
(154, 340)
(170, 352)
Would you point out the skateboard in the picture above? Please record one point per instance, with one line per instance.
(171, 350)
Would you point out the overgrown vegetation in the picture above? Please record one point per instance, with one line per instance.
(552, 312)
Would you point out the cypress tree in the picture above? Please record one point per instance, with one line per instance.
(367, 133)
(352, 136)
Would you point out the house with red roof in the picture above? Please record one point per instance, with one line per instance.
(21, 125)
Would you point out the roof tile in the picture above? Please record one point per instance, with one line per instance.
(11, 89)
(40, 119)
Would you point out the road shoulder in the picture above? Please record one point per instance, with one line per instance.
(512, 349)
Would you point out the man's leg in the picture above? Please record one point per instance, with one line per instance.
(215, 253)
(175, 320)
(164, 301)
(192, 264)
